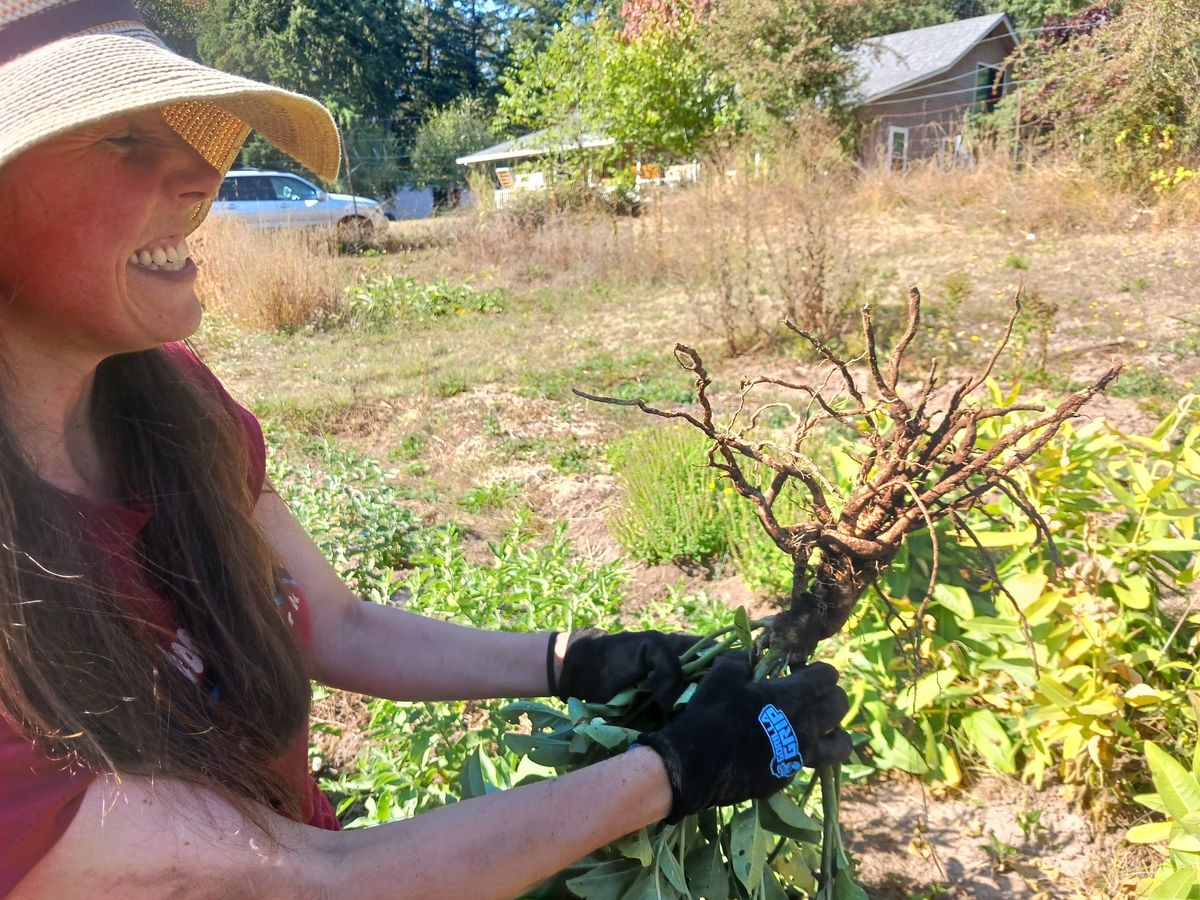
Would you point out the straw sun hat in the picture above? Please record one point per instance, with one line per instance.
(68, 63)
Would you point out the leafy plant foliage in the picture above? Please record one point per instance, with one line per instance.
(379, 301)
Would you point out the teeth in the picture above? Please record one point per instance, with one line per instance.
(170, 259)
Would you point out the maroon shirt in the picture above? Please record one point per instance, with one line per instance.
(39, 796)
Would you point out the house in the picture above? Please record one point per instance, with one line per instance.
(535, 146)
(914, 89)
(543, 148)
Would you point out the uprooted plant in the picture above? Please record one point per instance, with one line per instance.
(920, 461)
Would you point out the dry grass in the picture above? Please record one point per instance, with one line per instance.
(541, 247)
(267, 279)
(1047, 194)
(781, 237)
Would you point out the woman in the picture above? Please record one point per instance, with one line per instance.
(161, 610)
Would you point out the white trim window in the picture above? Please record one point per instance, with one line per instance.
(897, 148)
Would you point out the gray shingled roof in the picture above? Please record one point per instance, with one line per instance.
(537, 143)
(895, 61)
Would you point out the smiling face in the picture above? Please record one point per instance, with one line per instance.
(79, 215)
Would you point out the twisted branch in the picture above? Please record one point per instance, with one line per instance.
(925, 461)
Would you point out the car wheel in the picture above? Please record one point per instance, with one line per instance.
(355, 230)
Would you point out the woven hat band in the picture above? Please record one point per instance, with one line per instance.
(43, 27)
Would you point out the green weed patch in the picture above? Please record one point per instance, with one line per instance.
(381, 301)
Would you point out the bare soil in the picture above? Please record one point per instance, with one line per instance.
(909, 843)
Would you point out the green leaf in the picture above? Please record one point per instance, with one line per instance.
(990, 625)
(1183, 885)
(1149, 833)
(749, 845)
(899, 753)
(1177, 787)
(607, 881)
(542, 749)
(772, 889)
(925, 690)
(1170, 545)
(989, 739)
(622, 699)
(781, 815)
(613, 737)
(577, 710)
(685, 697)
(650, 885)
(669, 864)
(1026, 587)
(1056, 692)
(741, 624)
(637, 846)
(955, 599)
(989, 539)
(1151, 801)
(475, 782)
(1133, 591)
(846, 888)
(1186, 843)
(706, 873)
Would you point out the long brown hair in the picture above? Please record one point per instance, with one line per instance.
(79, 670)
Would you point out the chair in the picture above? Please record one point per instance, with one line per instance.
(505, 176)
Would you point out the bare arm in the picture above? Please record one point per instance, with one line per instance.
(141, 841)
(387, 652)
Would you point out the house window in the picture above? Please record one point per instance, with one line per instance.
(897, 148)
(989, 87)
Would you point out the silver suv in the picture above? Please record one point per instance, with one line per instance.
(281, 200)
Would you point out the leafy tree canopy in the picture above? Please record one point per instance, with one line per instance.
(461, 127)
(650, 93)
(1120, 88)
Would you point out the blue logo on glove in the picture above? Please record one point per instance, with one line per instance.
(786, 748)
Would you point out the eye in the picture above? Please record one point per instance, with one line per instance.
(122, 140)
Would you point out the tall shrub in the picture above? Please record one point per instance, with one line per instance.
(1120, 90)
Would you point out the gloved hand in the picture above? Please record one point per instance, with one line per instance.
(598, 666)
(740, 740)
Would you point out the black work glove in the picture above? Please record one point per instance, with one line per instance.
(741, 740)
(598, 666)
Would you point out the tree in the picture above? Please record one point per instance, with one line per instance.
(454, 130)
(552, 87)
(531, 24)
(1120, 89)
(782, 53)
(175, 21)
(651, 92)
(1029, 14)
(374, 64)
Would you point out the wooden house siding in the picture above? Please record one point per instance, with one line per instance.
(933, 109)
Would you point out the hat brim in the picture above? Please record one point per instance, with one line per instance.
(90, 78)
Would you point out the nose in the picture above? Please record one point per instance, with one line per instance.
(194, 179)
(190, 176)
